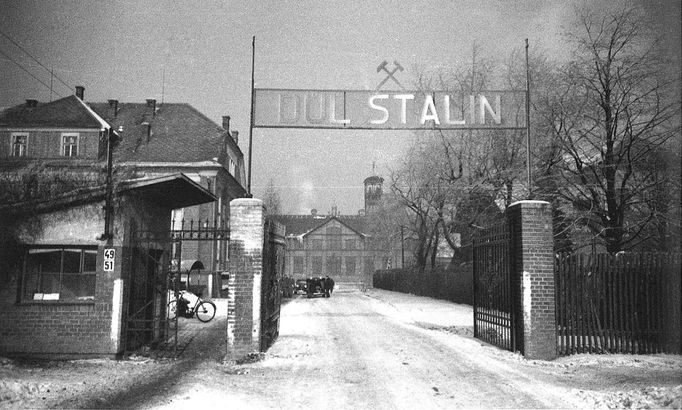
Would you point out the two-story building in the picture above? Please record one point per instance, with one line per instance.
(170, 138)
(336, 245)
(73, 274)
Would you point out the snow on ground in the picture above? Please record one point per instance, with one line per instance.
(594, 381)
(601, 381)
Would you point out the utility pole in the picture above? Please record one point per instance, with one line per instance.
(528, 164)
(253, 62)
(108, 200)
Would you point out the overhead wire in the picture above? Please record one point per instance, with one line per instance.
(28, 72)
(34, 59)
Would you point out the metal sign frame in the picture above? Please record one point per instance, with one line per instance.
(479, 106)
(390, 75)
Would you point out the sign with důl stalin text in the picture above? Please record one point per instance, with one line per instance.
(393, 110)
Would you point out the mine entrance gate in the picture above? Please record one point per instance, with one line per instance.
(271, 285)
(155, 271)
(494, 296)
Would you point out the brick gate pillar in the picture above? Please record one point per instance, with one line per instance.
(533, 253)
(247, 219)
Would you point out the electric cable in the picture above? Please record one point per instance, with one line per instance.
(28, 72)
(35, 59)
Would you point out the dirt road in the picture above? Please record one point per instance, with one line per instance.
(375, 350)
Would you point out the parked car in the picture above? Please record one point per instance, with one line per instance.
(315, 286)
(319, 285)
(301, 286)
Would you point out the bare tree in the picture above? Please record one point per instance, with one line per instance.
(272, 198)
(609, 113)
(415, 191)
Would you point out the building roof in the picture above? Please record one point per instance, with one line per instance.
(374, 179)
(172, 132)
(67, 112)
(302, 225)
(171, 191)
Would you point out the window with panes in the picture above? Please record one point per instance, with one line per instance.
(334, 237)
(350, 265)
(70, 145)
(19, 145)
(64, 274)
(298, 265)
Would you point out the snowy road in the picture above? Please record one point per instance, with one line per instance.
(352, 351)
(374, 350)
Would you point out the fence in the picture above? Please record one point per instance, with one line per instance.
(454, 284)
(271, 282)
(494, 315)
(618, 304)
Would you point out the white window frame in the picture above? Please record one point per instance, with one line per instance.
(67, 135)
(13, 137)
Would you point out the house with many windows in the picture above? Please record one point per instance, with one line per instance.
(170, 138)
(77, 279)
(336, 245)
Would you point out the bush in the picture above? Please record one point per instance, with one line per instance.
(453, 284)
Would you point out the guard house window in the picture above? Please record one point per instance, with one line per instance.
(60, 274)
(70, 145)
(19, 145)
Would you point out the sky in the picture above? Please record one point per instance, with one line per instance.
(200, 53)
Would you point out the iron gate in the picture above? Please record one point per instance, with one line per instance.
(271, 282)
(494, 313)
(155, 272)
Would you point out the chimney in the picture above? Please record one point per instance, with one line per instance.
(151, 103)
(235, 136)
(31, 103)
(80, 92)
(226, 123)
(313, 212)
(149, 130)
(113, 105)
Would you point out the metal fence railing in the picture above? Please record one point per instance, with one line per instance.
(628, 303)
(494, 314)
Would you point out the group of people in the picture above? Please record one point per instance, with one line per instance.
(320, 285)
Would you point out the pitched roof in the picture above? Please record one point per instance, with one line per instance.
(297, 225)
(67, 112)
(179, 133)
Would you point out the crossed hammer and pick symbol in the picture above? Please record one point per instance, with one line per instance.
(396, 67)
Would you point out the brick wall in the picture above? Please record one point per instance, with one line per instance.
(532, 241)
(84, 328)
(56, 328)
(247, 221)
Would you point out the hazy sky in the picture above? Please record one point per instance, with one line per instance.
(120, 49)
